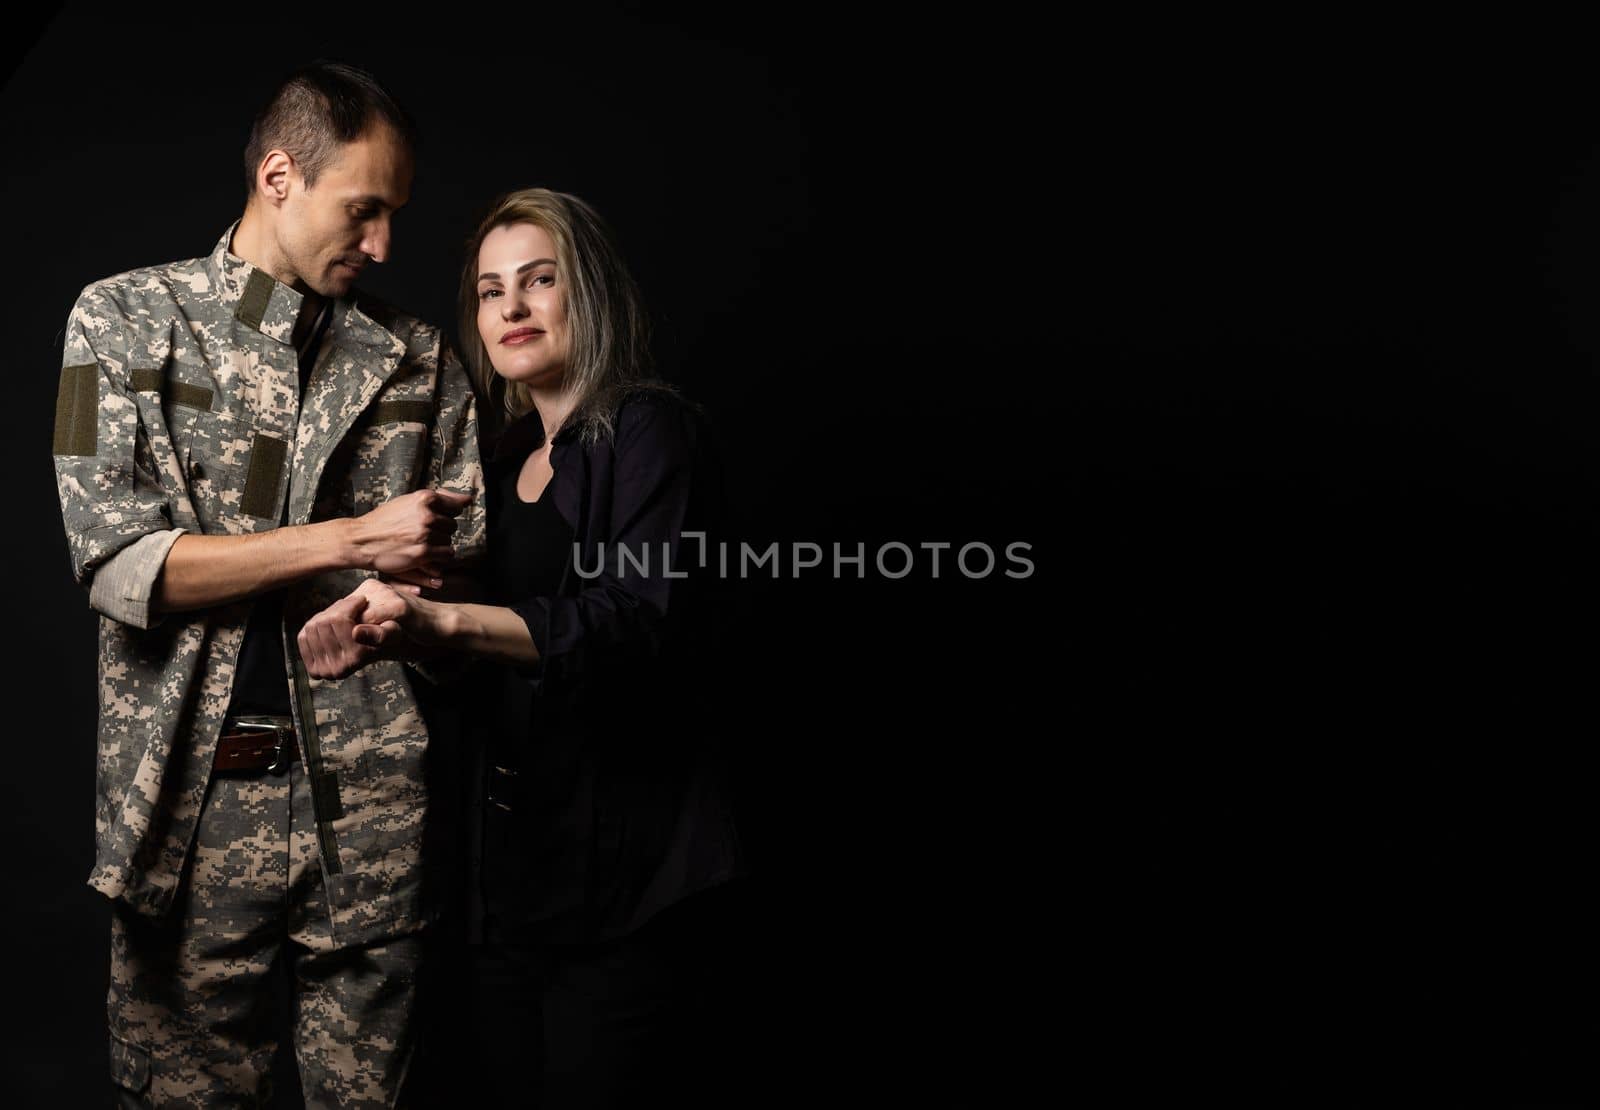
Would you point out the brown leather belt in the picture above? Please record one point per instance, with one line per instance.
(256, 744)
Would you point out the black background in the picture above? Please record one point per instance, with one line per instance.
(1276, 340)
(811, 240)
(1338, 491)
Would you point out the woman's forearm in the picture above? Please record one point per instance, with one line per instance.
(492, 631)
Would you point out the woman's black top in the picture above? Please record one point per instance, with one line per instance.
(528, 543)
(602, 788)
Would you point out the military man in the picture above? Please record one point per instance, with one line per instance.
(240, 440)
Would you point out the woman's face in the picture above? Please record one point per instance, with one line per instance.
(522, 315)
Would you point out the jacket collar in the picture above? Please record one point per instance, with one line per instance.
(259, 301)
(263, 303)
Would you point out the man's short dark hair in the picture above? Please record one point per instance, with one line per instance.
(316, 110)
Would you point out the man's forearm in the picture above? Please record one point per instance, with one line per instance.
(201, 571)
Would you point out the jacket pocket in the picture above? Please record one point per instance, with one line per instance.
(234, 473)
(130, 1065)
(377, 895)
(387, 458)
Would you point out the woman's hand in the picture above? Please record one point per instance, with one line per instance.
(379, 620)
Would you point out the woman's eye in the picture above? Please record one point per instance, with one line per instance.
(487, 293)
(548, 279)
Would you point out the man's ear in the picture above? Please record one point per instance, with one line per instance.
(273, 177)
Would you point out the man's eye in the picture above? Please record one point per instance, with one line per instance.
(362, 213)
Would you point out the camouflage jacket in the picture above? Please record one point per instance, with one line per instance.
(180, 411)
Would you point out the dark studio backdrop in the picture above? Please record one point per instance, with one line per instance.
(836, 234)
(1337, 496)
(1278, 343)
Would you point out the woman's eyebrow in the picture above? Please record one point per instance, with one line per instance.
(491, 276)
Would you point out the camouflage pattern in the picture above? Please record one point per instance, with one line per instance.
(180, 409)
(192, 1023)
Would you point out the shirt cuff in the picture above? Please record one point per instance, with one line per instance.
(535, 613)
(123, 583)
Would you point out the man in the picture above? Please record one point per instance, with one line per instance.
(240, 440)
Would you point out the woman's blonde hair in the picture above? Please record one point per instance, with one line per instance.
(609, 352)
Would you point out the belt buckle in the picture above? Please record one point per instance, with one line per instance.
(280, 750)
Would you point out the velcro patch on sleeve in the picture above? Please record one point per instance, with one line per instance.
(77, 411)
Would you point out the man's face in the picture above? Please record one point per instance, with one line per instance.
(329, 232)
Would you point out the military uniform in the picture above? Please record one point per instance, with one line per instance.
(180, 410)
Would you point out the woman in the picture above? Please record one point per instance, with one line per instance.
(602, 803)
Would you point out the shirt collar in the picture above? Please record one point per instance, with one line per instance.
(259, 300)
(525, 434)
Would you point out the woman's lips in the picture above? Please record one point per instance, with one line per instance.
(516, 338)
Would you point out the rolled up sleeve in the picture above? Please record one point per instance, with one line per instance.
(109, 502)
(124, 584)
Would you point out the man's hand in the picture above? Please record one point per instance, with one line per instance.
(408, 538)
(328, 644)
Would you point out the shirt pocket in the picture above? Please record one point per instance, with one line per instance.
(387, 460)
(236, 474)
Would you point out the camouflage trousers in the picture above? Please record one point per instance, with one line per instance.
(192, 1000)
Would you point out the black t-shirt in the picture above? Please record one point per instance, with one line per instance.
(528, 543)
(262, 683)
(531, 862)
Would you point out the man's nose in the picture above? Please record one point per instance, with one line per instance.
(375, 243)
